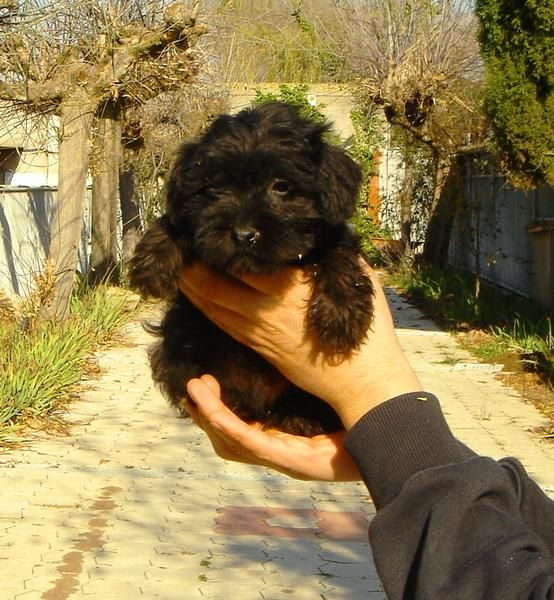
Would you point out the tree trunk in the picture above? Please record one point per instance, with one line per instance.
(129, 212)
(444, 166)
(75, 122)
(441, 216)
(405, 200)
(105, 192)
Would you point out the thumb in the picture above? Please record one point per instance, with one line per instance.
(206, 394)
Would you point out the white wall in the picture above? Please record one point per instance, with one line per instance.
(337, 100)
(25, 220)
(391, 177)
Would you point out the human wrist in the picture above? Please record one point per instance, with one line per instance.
(353, 403)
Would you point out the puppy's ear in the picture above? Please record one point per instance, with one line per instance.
(181, 178)
(342, 178)
(157, 262)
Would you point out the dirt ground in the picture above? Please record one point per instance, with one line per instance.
(538, 391)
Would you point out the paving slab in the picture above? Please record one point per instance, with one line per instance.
(134, 504)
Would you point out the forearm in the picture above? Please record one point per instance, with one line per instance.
(449, 524)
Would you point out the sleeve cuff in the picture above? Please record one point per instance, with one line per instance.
(401, 437)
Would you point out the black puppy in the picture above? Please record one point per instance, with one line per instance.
(259, 190)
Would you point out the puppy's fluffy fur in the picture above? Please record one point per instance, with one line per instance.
(259, 190)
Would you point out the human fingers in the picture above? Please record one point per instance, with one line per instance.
(243, 312)
(212, 383)
(203, 409)
(232, 438)
(214, 413)
(235, 324)
(226, 291)
(265, 325)
(318, 458)
(253, 297)
(276, 284)
(210, 409)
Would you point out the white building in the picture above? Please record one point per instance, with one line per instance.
(28, 148)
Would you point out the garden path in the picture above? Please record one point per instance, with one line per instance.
(134, 504)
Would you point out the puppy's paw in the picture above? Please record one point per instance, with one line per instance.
(340, 312)
(154, 268)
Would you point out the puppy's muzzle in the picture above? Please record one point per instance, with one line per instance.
(245, 237)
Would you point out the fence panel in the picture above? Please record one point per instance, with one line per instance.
(494, 233)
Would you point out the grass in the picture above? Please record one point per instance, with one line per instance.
(41, 362)
(533, 341)
(512, 324)
(488, 348)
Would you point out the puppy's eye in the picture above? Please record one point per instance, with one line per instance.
(281, 187)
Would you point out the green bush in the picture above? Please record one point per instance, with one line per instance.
(296, 95)
(99, 311)
(40, 367)
(42, 361)
(517, 46)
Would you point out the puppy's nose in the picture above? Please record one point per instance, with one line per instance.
(245, 237)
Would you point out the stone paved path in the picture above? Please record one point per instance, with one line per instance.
(133, 504)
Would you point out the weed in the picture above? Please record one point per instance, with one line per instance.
(449, 360)
(533, 341)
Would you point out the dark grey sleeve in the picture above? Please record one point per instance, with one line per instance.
(449, 524)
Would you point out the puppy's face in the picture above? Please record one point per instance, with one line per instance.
(255, 212)
(259, 189)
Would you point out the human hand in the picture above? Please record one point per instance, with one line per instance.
(321, 457)
(269, 315)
